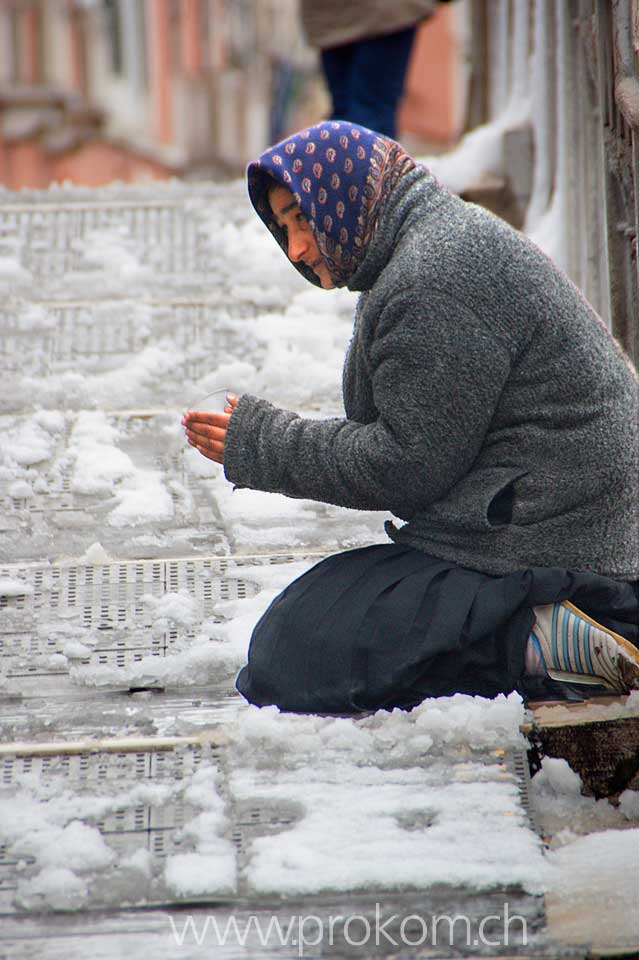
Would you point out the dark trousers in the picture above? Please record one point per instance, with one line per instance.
(366, 79)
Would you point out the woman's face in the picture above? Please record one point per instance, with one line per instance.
(301, 245)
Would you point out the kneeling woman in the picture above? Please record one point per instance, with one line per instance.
(486, 407)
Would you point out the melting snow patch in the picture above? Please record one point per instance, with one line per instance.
(211, 867)
(14, 587)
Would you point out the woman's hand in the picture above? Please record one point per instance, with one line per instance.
(207, 431)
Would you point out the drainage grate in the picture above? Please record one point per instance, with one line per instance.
(100, 336)
(111, 609)
(48, 239)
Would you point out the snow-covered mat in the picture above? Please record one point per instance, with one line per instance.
(395, 815)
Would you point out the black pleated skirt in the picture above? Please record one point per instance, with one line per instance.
(387, 626)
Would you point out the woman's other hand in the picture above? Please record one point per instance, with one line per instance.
(207, 431)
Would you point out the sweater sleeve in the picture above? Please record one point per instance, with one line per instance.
(436, 373)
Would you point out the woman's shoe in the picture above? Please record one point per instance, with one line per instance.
(577, 649)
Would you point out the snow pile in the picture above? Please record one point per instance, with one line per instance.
(565, 813)
(173, 608)
(98, 463)
(13, 275)
(46, 830)
(100, 467)
(14, 587)
(304, 350)
(67, 390)
(95, 554)
(109, 251)
(141, 498)
(33, 317)
(32, 441)
(259, 271)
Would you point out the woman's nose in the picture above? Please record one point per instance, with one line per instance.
(297, 244)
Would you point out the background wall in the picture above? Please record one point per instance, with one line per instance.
(96, 90)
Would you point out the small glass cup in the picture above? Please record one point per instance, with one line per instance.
(213, 402)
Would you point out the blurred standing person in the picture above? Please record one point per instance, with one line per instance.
(365, 46)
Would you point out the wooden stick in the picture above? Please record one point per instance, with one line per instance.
(212, 737)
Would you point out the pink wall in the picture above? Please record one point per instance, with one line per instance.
(24, 165)
(92, 164)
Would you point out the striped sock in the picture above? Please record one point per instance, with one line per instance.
(535, 663)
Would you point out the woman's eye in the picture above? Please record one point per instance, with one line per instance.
(301, 219)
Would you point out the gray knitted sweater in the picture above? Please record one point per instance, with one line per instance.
(486, 404)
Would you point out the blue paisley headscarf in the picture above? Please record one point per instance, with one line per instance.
(341, 175)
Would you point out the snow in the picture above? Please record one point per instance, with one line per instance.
(350, 833)
(408, 789)
(212, 649)
(98, 462)
(57, 831)
(611, 856)
(95, 553)
(140, 498)
(14, 587)
(30, 443)
(211, 867)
